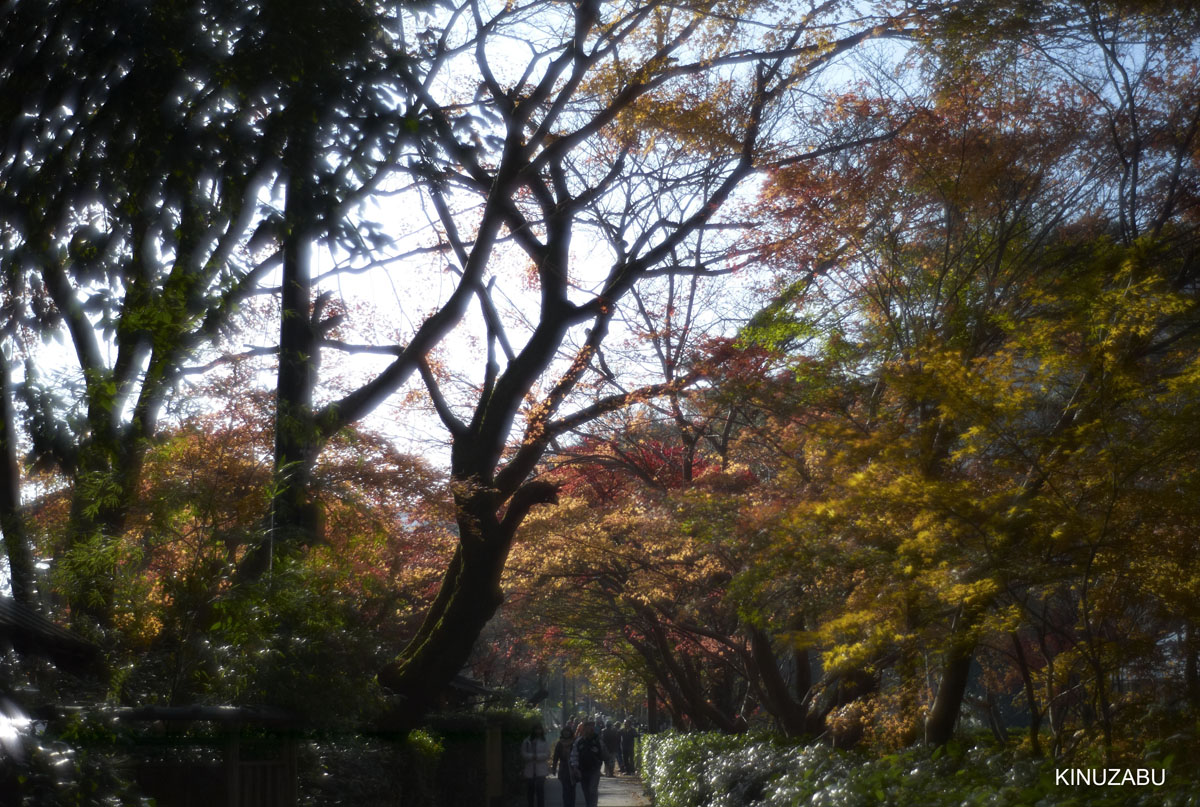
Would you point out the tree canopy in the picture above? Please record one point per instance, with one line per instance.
(923, 473)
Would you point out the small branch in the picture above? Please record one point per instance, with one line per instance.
(835, 148)
(525, 499)
(614, 402)
(451, 422)
(379, 263)
(346, 347)
(200, 369)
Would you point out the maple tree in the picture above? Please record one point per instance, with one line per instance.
(310, 636)
(587, 128)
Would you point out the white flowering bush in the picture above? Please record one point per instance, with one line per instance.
(712, 770)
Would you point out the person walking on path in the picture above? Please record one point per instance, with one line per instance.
(560, 766)
(535, 752)
(628, 740)
(611, 737)
(587, 756)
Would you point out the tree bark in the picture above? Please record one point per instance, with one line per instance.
(424, 669)
(651, 707)
(12, 521)
(293, 519)
(943, 715)
(792, 715)
(1035, 715)
(467, 598)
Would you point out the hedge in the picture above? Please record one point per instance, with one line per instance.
(711, 770)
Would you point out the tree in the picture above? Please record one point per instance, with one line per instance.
(578, 143)
(141, 145)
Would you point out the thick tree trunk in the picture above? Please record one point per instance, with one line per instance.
(791, 715)
(468, 597)
(12, 521)
(802, 685)
(947, 704)
(293, 520)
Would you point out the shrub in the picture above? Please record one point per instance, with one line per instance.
(707, 770)
(371, 772)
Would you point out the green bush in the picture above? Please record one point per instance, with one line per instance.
(74, 761)
(360, 771)
(708, 770)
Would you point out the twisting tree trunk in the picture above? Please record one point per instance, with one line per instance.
(791, 714)
(467, 599)
(956, 671)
